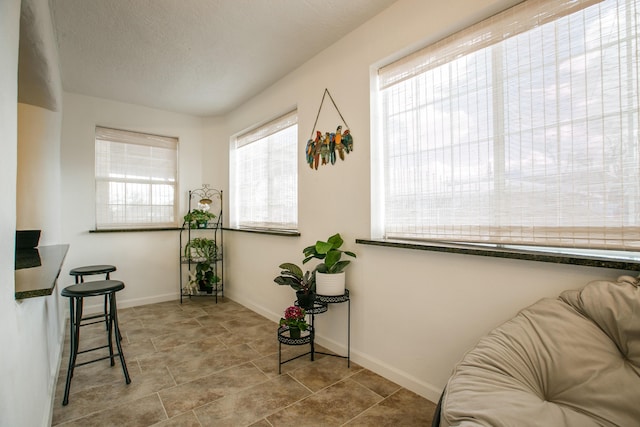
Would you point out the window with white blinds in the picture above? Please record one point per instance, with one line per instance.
(136, 178)
(522, 129)
(264, 176)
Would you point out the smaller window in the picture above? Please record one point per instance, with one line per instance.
(135, 179)
(264, 176)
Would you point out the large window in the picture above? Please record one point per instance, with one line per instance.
(264, 176)
(522, 129)
(135, 179)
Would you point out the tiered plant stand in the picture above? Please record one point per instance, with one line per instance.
(321, 305)
(338, 299)
(284, 338)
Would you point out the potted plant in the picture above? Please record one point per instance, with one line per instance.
(198, 218)
(329, 273)
(303, 283)
(203, 252)
(294, 319)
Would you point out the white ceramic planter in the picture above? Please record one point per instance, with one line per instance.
(330, 284)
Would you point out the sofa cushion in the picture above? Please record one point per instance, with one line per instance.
(554, 365)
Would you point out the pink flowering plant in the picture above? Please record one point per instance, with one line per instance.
(294, 317)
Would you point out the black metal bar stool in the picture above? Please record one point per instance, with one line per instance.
(89, 270)
(76, 294)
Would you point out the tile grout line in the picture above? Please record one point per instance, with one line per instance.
(257, 345)
(157, 393)
(382, 399)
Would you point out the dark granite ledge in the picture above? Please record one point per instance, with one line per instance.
(270, 231)
(37, 270)
(133, 230)
(511, 253)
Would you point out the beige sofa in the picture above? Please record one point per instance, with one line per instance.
(570, 361)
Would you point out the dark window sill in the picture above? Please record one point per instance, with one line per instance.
(632, 262)
(127, 230)
(271, 231)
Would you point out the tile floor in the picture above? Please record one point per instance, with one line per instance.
(206, 364)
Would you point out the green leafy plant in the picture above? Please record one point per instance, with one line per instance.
(203, 252)
(291, 275)
(330, 254)
(294, 317)
(201, 248)
(205, 276)
(198, 216)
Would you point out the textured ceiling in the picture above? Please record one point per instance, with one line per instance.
(201, 57)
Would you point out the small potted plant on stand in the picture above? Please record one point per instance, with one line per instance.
(198, 218)
(329, 274)
(294, 319)
(303, 284)
(203, 252)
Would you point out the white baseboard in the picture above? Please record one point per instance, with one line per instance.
(53, 381)
(93, 309)
(173, 296)
(261, 310)
(134, 302)
(426, 390)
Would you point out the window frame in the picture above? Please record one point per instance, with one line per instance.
(378, 169)
(132, 140)
(262, 135)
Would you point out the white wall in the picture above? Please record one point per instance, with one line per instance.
(38, 185)
(414, 313)
(31, 332)
(215, 154)
(147, 262)
(9, 25)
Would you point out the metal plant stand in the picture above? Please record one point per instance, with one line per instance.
(283, 338)
(208, 199)
(338, 299)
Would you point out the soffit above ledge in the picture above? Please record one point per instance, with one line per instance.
(39, 81)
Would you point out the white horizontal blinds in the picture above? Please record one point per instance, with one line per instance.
(266, 175)
(135, 179)
(529, 138)
(274, 126)
(513, 21)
